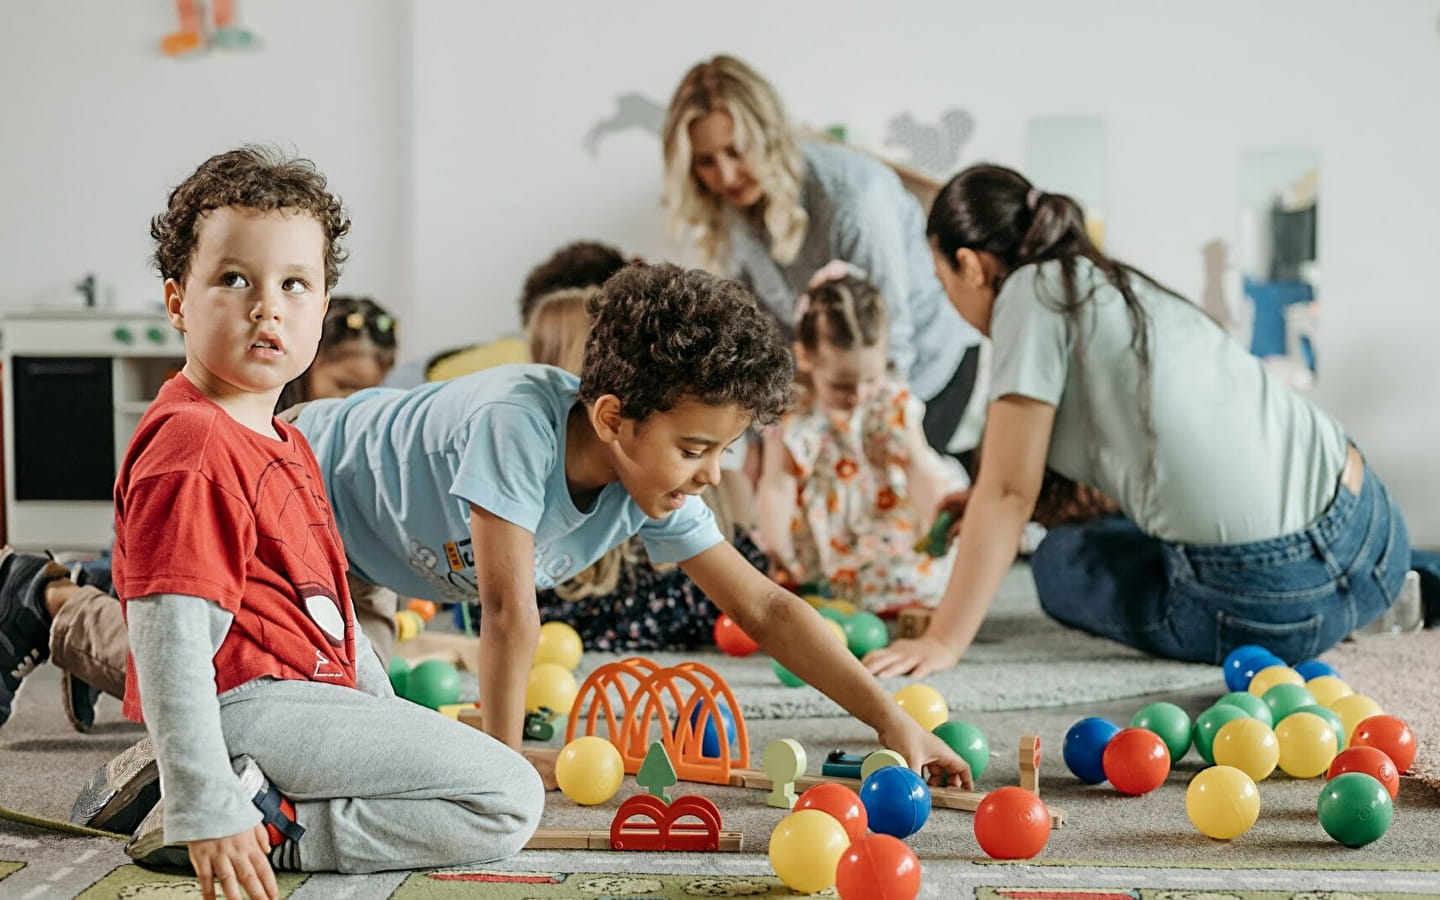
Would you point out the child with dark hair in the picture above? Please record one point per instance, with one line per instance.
(357, 351)
(273, 728)
(848, 481)
(580, 264)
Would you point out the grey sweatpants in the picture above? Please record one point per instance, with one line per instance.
(382, 783)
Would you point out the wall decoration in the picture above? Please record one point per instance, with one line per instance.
(932, 149)
(631, 111)
(192, 35)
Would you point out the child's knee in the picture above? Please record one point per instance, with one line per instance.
(524, 804)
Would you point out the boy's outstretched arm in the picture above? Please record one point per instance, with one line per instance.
(787, 628)
(509, 621)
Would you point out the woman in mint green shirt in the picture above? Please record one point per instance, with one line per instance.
(1248, 517)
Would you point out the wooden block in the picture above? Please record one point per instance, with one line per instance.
(1030, 763)
(913, 622)
(784, 760)
(599, 839)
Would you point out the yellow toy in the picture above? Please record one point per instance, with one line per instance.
(1222, 802)
(1352, 710)
(805, 848)
(1267, 678)
(551, 686)
(559, 644)
(1249, 745)
(589, 770)
(924, 704)
(1307, 745)
(1326, 689)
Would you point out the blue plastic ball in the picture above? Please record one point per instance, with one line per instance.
(1314, 668)
(1241, 667)
(897, 801)
(710, 743)
(1084, 748)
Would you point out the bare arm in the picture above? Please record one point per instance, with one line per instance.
(509, 621)
(775, 500)
(791, 631)
(1017, 440)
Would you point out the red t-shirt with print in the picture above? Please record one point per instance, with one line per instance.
(208, 508)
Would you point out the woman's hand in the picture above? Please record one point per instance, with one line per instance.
(911, 656)
(931, 757)
(240, 862)
(954, 504)
(544, 763)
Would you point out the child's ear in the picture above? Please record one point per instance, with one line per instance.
(605, 417)
(803, 362)
(174, 300)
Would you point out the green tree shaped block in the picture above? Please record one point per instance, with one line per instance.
(657, 772)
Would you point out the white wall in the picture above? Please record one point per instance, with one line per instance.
(454, 130)
(98, 126)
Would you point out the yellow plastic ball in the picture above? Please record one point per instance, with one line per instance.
(408, 624)
(589, 770)
(559, 644)
(839, 631)
(1249, 745)
(552, 686)
(924, 704)
(1222, 802)
(1267, 678)
(844, 607)
(1307, 745)
(1352, 710)
(805, 848)
(1326, 689)
(816, 600)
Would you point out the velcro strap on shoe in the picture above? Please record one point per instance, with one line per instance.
(278, 815)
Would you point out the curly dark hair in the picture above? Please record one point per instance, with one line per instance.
(662, 333)
(578, 265)
(253, 177)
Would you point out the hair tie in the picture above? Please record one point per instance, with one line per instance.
(1032, 198)
(355, 321)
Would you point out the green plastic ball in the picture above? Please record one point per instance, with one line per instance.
(787, 677)
(1168, 721)
(1355, 809)
(830, 612)
(1208, 723)
(1250, 704)
(1328, 715)
(968, 741)
(864, 632)
(433, 683)
(1283, 699)
(399, 675)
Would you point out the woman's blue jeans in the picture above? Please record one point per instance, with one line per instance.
(1298, 594)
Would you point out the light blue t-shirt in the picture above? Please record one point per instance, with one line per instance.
(403, 467)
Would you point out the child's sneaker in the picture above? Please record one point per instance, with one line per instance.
(149, 848)
(122, 793)
(79, 698)
(24, 621)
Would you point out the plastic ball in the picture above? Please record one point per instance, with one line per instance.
(923, 704)
(843, 607)
(425, 609)
(1311, 669)
(1222, 802)
(1253, 706)
(877, 867)
(710, 741)
(1328, 715)
(832, 613)
(1136, 761)
(787, 677)
(1085, 745)
(1267, 678)
(968, 741)
(840, 802)
(1283, 699)
(865, 631)
(399, 675)
(1243, 662)
(1208, 723)
(1370, 761)
(550, 685)
(408, 624)
(433, 683)
(1011, 823)
(1249, 745)
(1326, 689)
(896, 800)
(838, 630)
(731, 640)
(589, 770)
(1307, 745)
(805, 849)
(1170, 722)
(559, 644)
(1389, 735)
(1355, 809)
(1352, 710)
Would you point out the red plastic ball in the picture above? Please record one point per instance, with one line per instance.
(877, 867)
(1372, 762)
(730, 639)
(1136, 761)
(1389, 735)
(841, 803)
(1012, 823)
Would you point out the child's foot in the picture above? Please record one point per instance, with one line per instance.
(79, 698)
(122, 793)
(149, 848)
(24, 621)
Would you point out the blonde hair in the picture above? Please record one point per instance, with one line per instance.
(764, 138)
(559, 327)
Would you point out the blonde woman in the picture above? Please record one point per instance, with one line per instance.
(769, 209)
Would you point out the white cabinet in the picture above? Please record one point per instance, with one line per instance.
(76, 384)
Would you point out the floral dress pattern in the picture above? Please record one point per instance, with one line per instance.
(854, 523)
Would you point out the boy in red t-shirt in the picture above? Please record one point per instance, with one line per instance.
(246, 665)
